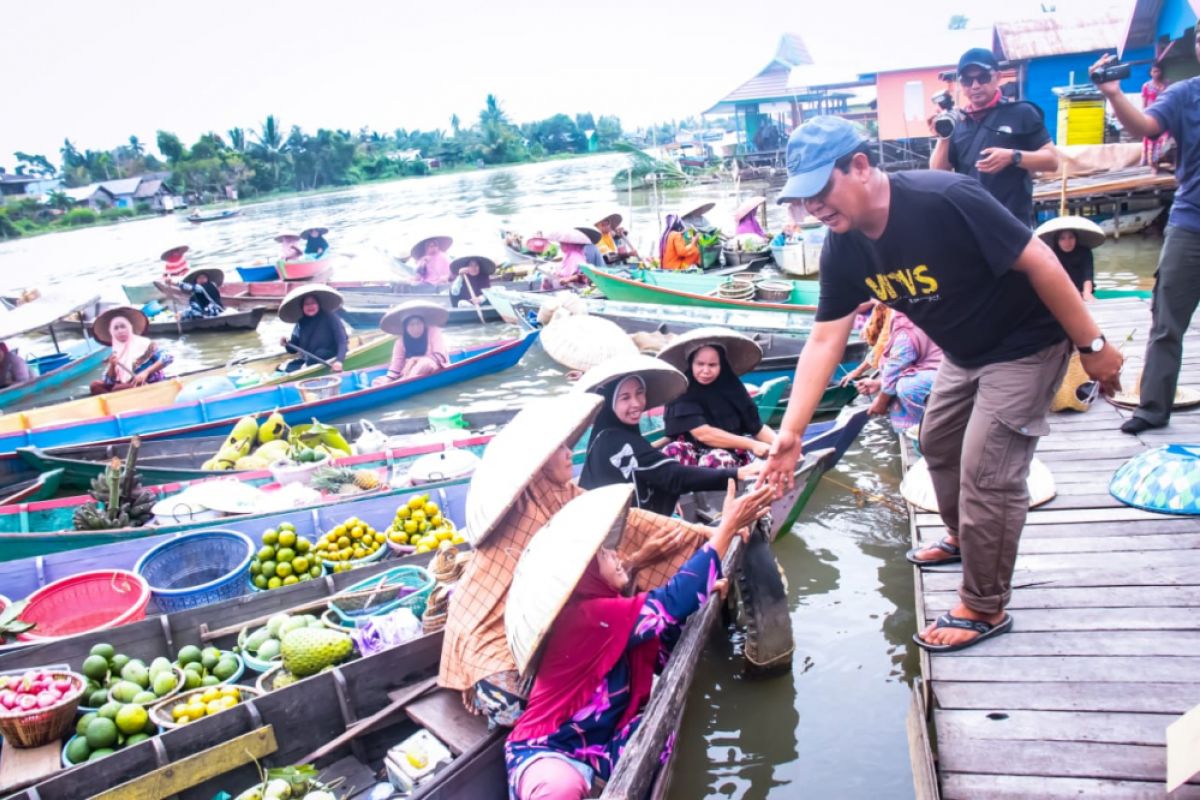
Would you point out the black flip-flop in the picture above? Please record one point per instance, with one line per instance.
(985, 630)
(954, 553)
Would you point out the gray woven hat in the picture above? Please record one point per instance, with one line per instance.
(1089, 234)
(432, 313)
(663, 382)
(290, 309)
(554, 561)
(518, 452)
(743, 353)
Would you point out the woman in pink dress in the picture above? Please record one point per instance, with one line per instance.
(433, 265)
(1152, 149)
(419, 349)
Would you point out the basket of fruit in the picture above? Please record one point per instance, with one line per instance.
(350, 544)
(198, 703)
(197, 569)
(209, 666)
(100, 733)
(36, 708)
(419, 526)
(304, 652)
(260, 649)
(283, 559)
(405, 586)
(89, 601)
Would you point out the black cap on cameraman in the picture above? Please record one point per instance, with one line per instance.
(978, 57)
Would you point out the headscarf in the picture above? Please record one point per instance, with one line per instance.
(127, 354)
(749, 224)
(205, 294)
(589, 638)
(723, 404)
(929, 355)
(1078, 263)
(573, 257)
(673, 224)
(877, 331)
(617, 451)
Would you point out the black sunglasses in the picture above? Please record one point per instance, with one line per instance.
(979, 77)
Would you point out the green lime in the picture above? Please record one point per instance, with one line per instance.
(189, 654)
(210, 657)
(192, 679)
(266, 553)
(104, 650)
(285, 554)
(210, 680)
(118, 663)
(101, 753)
(95, 667)
(84, 721)
(270, 537)
(78, 750)
(109, 710)
(131, 719)
(102, 733)
(225, 668)
(255, 567)
(135, 738)
(97, 698)
(165, 683)
(268, 569)
(260, 581)
(145, 698)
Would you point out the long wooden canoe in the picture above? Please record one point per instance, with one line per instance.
(356, 394)
(228, 322)
(342, 720)
(688, 289)
(197, 216)
(88, 362)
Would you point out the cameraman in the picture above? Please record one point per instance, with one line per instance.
(1177, 288)
(996, 141)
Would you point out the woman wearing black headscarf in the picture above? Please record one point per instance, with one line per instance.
(715, 422)
(318, 331)
(1072, 240)
(618, 453)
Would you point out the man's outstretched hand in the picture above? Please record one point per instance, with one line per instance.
(780, 470)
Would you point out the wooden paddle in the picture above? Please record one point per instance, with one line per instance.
(471, 291)
(306, 354)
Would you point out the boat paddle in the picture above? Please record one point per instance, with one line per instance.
(474, 298)
(306, 354)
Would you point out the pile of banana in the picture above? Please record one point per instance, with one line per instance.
(118, 498)
(251, 446)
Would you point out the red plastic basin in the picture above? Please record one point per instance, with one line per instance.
(89, 601)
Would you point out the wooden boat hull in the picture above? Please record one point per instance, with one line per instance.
(304, 269)
(55, 379)
(43, 487)
(663, 287)
(165, 420)
(196, 219)
(228, 322)
(368, 317)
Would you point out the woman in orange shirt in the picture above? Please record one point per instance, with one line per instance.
(675, 250)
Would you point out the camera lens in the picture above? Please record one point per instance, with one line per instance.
(943, 125)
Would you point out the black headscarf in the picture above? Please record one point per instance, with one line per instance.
(414, 345)
(618, 453)
(322, 334)
(205, 294)
(723, 404)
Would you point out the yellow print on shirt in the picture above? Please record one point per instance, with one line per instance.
(914, 282)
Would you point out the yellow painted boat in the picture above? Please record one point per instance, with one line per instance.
(365, 351)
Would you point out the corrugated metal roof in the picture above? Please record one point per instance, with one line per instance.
(122, 186)
(1051, 35)
(147, 188)
(771, 82)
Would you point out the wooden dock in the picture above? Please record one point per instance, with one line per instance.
(1105, 648)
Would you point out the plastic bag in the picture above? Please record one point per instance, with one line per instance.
(371, 440)
(386, 631)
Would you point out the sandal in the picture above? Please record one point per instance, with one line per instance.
(985, 630)
(954, 554)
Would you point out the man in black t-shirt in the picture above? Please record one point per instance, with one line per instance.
(998, 142)
(940, 249)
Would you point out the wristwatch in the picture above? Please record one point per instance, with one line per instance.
(1016, 158)
(1095, 347)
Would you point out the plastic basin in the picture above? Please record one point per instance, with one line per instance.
(197, 569)
(89, 601)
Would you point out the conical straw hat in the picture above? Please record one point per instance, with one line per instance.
(748, 207)
(418, 250)
(581, 341)
(215, 276)
(1087, 232)
(663, 382)
(291, 307)
(433, 314)
(699, 210)
(1185, 397)
(570, 236)
(743, 353)
(917, 487)
(518, 452)
(137, 320)
(593, 235)
(554, 561)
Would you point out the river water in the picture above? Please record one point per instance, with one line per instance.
(833, 726)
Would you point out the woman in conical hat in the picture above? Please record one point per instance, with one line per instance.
(714, 423)
(599, 649)
(318, 330)
(472, 274)
(433, 265)
(135, 360)
(524, 478)
(1072, 239)
(419, 349)
(746, 216)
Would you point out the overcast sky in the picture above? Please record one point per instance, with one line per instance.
(97, 71)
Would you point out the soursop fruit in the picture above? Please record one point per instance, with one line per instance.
(307, 651)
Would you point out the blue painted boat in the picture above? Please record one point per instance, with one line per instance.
(83, 361)
(258, 274)
(355, 396)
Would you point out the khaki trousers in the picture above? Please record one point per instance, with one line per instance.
(978, 436)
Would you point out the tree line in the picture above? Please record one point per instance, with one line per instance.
(273, 158)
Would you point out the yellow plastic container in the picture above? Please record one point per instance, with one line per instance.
(1080, 121)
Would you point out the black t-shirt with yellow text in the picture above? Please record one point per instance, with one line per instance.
(945, 259)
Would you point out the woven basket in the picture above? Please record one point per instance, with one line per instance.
(773, 291)
(43, 725)
(160, 712)
(1072, 394)
(735, 290)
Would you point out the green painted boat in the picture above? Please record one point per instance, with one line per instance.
(693, 289)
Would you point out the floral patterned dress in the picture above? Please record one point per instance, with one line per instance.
(590, 741)
(909, 387)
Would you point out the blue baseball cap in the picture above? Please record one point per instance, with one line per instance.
(812, 150)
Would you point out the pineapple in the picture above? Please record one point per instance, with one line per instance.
(333, 479)
(366, 479)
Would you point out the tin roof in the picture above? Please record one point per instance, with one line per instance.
(772, 81)
(1053, 35)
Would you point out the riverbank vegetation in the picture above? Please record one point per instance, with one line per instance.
(273, 159)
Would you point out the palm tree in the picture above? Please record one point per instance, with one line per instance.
(135, 146)
(270, 145)
(492, 114)
(455, 122)
(237, 139)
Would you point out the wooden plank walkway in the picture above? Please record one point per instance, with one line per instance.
(1105, 648)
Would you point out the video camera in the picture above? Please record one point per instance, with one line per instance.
(947, 118)
(1112, 71)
